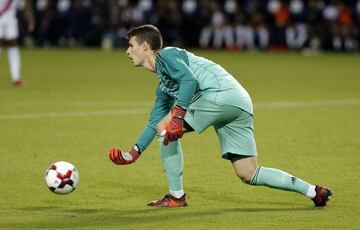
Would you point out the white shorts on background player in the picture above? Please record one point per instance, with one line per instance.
(9, 29)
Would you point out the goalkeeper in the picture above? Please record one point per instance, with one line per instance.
(194, 93)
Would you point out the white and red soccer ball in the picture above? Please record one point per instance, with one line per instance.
(62, 177)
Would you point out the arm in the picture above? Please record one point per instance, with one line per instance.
(178, 69)
(188, 86)
(161, 108)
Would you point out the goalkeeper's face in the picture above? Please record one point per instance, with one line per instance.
(136, 52)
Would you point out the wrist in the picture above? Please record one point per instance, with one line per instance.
(134, 153)
(136, 149)
(178, 112)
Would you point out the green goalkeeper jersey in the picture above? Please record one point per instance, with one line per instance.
(184, 77)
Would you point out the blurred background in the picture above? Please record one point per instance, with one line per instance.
(78, 101)
(237, 25)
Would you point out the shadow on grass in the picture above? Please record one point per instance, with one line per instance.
(51, 216)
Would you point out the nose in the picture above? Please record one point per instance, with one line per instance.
(127, 51)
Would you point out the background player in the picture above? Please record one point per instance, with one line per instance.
(9, 33)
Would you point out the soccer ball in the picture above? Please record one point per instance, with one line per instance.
(62, 177)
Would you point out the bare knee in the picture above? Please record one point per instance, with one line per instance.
(245, 176)
(245, 169)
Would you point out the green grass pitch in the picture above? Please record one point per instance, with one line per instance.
(78, 103)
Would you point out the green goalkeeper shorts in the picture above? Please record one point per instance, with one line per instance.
(234, 126)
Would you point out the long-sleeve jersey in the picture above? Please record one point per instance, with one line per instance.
(184, 77)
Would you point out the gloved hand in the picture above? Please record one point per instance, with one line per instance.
(124, 158)
(174, 130)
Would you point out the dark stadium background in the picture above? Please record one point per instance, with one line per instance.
(309, 25)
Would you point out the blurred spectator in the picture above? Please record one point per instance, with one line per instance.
(169, 21)
(357, 23)
(192, 22)
(281, 19)
(80, 16)
(251, 32)
(62, 22)
(218, 30)
(316, 32)
(232, 24)
(296, 32)
(345, 26)
(43, 17)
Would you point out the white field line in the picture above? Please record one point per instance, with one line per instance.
(257, 106)
(73, 114)
(301, 104)
(77, 104)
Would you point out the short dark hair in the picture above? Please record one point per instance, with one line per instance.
(149, 33)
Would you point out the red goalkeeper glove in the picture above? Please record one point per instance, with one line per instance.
(174, 130)
(124, 158)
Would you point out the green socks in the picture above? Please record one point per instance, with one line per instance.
(276, 178)
(172, 159)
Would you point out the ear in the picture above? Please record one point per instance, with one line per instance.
(145, 46)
